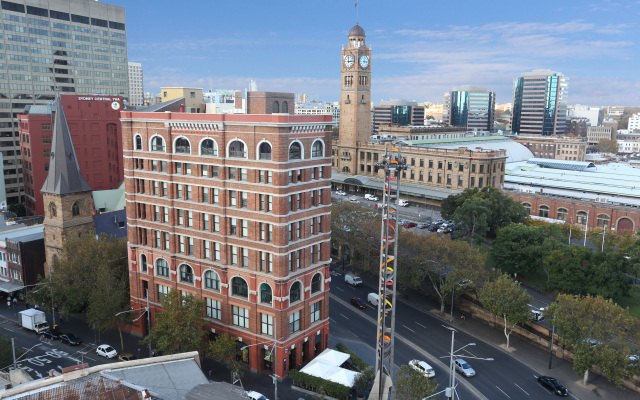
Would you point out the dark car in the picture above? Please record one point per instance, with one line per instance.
(70, 339)
(52, 334)
(432, 228)
(409, 224)
(423, 225)
(357, 301)
(552, 385)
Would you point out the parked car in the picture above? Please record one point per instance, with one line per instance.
(357, 301)
(537, 314)
(126, 357)
(432, 228)
(107, 351)
(409, 224)
(70, 339)
(423, 368)
(341, 193)
(353, 280)
(438, 222)
(403, 203)
(552, 385)
(52, 334)
(423, 225)
(256, 396)
(354, 200)
(371, 197)
(464, 368)
(373, 298)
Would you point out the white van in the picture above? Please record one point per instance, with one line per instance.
(370, 197)
(403, 203)
(373, 298)
(353, 280)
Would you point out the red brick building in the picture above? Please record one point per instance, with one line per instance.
(235, 209)
(94, 123)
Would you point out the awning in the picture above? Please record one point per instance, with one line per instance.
(9, 287)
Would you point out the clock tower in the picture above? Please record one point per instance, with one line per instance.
(355, 99)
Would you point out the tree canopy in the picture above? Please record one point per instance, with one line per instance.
(358, 228)
(411, 385)
(474, 215)
(607, 146)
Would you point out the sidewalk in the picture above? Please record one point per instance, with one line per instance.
(536, 358)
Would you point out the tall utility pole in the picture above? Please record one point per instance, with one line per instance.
(393, 164)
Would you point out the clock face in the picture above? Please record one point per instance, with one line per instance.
(364, 61)
(349, 59)
(115, 105)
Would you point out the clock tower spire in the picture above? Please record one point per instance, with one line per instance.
(355, 98)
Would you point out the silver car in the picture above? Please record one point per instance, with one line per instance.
(464, 368)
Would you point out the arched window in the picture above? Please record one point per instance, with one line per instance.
(265, 151)
(75, 209)
(317, 149)
(183, 146)
(143, 263)
(295, 292)
(603, 221)
(346, 169)
(527, 206)
(316, 283)
(52, 210)
(265, 293)
(562, 214)
(138, 142)
(211, 280)
(285, 107)
(276, 107)
(295, 151)
(157, 143)
(582, 218)
(209, 148)
(239, 287)
(162, 267)
(544, 211)
(236, 149)
(186, 273)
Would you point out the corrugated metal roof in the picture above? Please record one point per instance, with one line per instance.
(414, 189)
(562, 164)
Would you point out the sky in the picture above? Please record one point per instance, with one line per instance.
(420, 49)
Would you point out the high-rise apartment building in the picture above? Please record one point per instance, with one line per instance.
(77, 46)
(539, 106)
(397, 112)
(136, 86)
(235, 209)
(470, 106)
(634, 123)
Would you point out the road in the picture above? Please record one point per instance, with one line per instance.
(421, 335)
(411, 212)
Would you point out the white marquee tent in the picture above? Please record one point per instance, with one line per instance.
(327, 366)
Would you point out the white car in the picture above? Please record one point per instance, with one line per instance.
(256, 396)
(371, 197)
(464, 368)
(354, 200)
(423, 368)
(341, 193)
(105, 350)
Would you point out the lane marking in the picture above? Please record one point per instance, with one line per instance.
(331, 319)
(421, 325)
(409, 328)
(353, 334)
(522, 389)
(503, 392)
(343, 316)
(470, 353)
(339, 289)
(90, 358)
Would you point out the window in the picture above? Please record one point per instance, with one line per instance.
(213, 308)
(294, 292)
(603, 221)
(162, 267)
(267, 324)
(186, 273)
(234, 255)
(527, 206)
(276, 107)
(543, 211)
(315, 312)
(52, 210)
(317, 149)
(265, 151)
(241, 317)
(239, 287)
(157, 143)
(138, 142)
(232, 173)
(295, 151)
(294, 322)
(285, 107)
(582, 217)
(162, 292)
(143, 263)
(265, 293)
(236, 149)
(316, 283)
(75, 209)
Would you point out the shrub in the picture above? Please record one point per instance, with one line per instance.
(316, 384)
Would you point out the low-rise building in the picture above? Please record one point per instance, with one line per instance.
(194, 98)
(398, 112)
(597, 133)
(634, 122)
(555, 147)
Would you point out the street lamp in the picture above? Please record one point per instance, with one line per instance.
(53, 311)
(13, 347)
(274, 350)
(146, 310)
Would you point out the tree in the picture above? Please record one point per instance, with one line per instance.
(505, 298)
(474, 215)
(19, 209)
(607, 146)
(504, 210)
(578, 270)
(363, 380)
(358, 228)
(179, 326)
(411, 385)
(598, 331)
(6, 352)
(225, 350)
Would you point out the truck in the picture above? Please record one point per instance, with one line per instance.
(34, 320)
(353, 280)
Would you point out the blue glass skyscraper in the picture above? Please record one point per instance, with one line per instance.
(539, 106)
(470, 106)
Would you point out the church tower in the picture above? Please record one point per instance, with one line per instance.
(355, 99)
(65, 193)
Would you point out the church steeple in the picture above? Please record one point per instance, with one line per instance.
(64, 172)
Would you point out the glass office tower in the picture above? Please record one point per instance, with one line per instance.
(539, 106)
(76, 46)
(470, 106)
